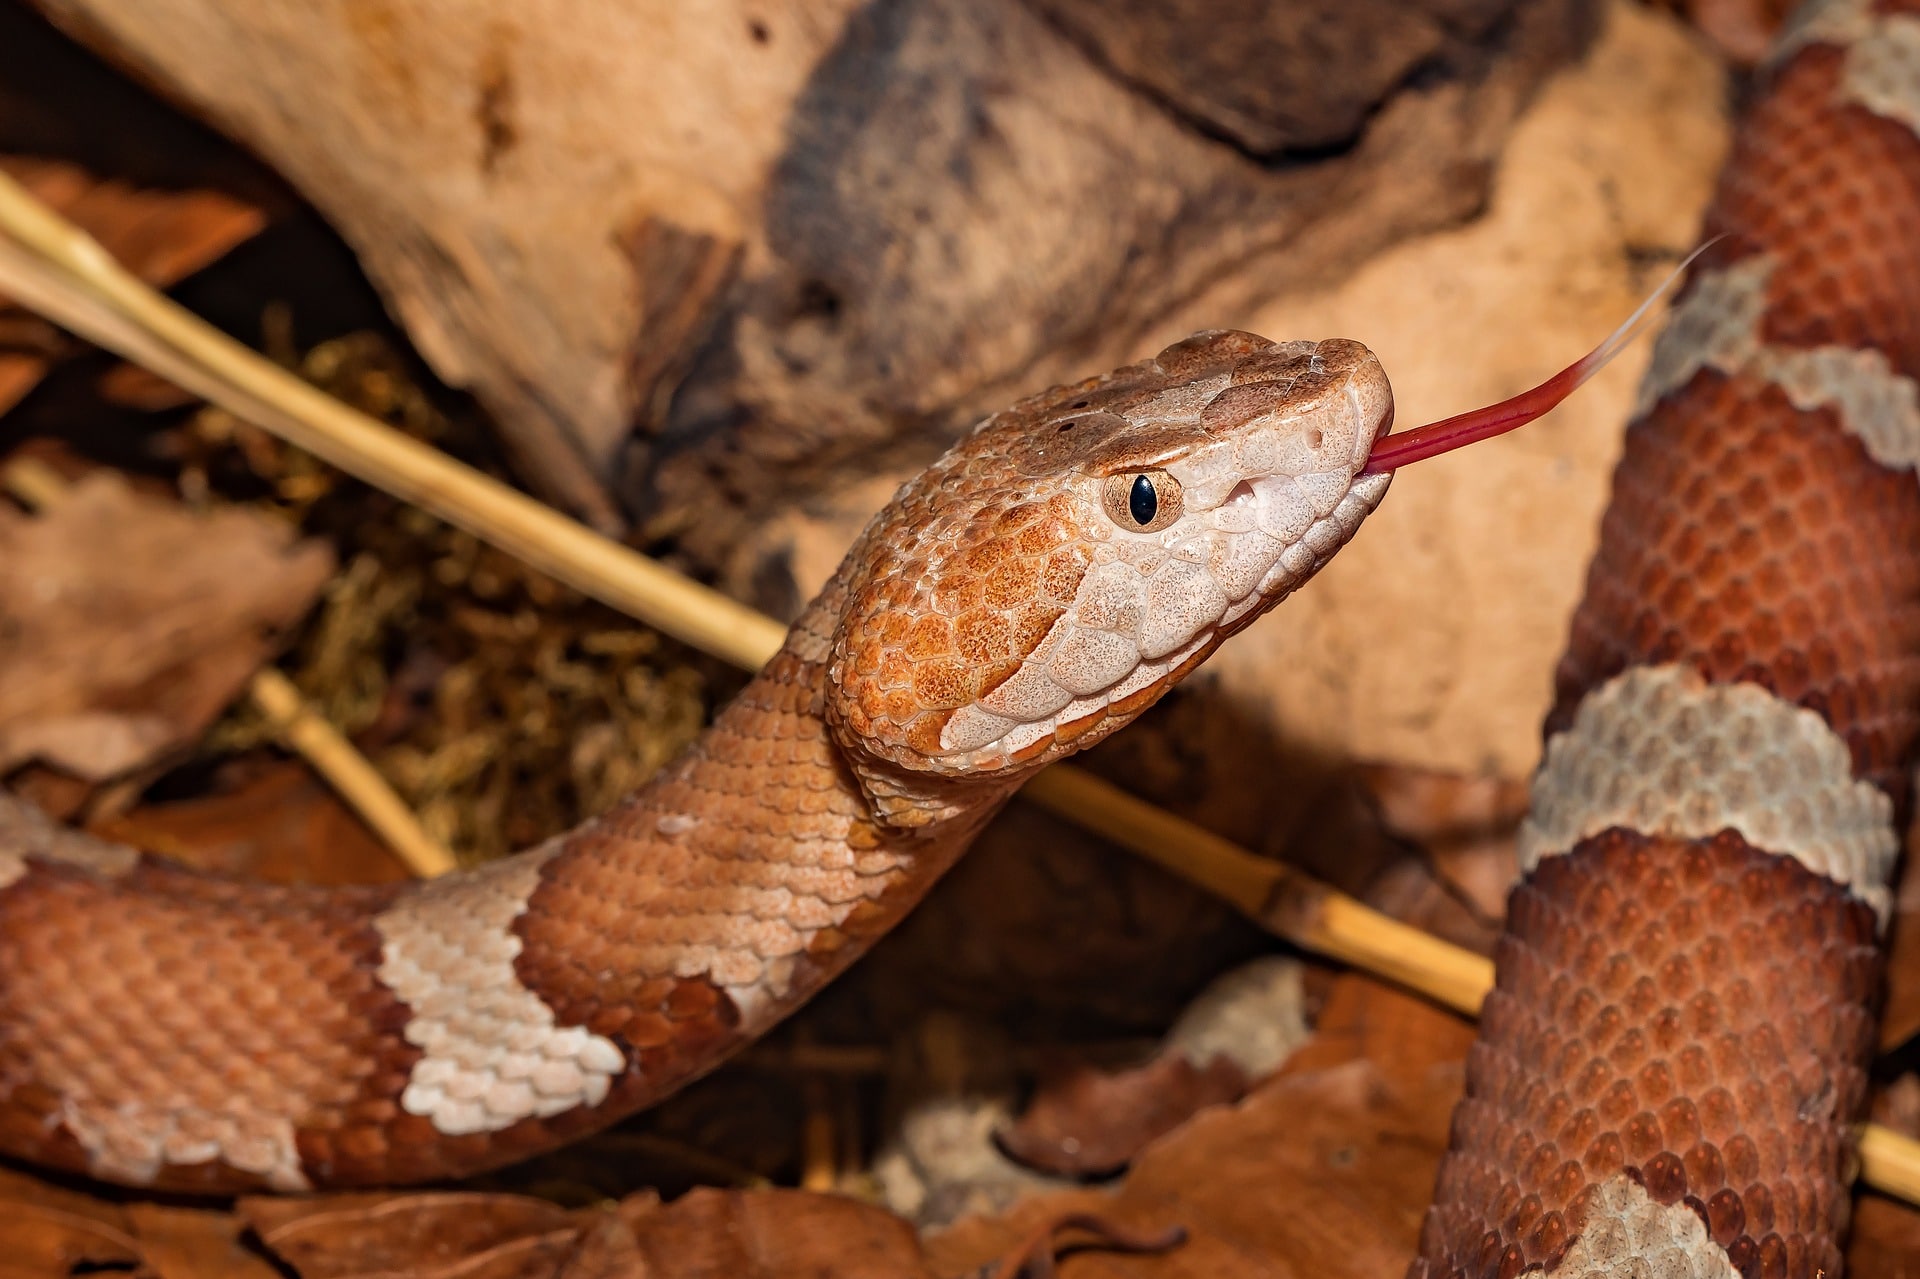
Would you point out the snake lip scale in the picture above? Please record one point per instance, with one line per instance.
(1055, 573)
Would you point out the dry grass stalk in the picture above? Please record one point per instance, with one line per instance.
(348, 772)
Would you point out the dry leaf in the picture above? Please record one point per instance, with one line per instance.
(435, 1234)
(194, 1243)
(1345, 841)
(1321, 1175)
(131, 622)
(1900, 1020)
(57, 794)
(1895, 1104)
(1038, 1256)
(28, 345)
(1886, 1240)
(1323, 1171)
(45, 1230)
(161, 236)
(37, 1242)
(1741, 29)
(608, 1249)
(282, 826)
(1428, 806)
(708, 1234)
(778, 1234)
(1090, 1122)
(133, 387)
(1464, 826)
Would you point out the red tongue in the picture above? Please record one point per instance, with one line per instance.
(1391, 452)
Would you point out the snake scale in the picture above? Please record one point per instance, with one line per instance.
(1676, 1047)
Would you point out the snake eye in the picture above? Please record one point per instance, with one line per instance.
(1142, 501)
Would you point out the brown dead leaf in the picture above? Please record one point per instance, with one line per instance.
(48, 1231)
(1348, 841)
(1895, 1104)
(1414, 1045)
(778, 1234)
(143, 390)
(1740, 29)
(1089, 1122)
(1323, 1171)
(283, 826)
(45, 1230)
(28, 346)
(59, 795)
(1038, 1256)
(608, 1249)
(160, 236)
(1901, 1019)
(1464, 825)
(1429, 806)
(38, 1242)
(1886, 1239)
(132, 621)
(437, 1235)
(708, 1234)
(194, 1243)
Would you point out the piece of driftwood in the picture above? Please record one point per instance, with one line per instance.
(701, 258)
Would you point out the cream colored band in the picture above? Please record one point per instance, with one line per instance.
(1659, 750)
(1717, 326)
(493, 1054)
(1628, 1233)
(1882, 71)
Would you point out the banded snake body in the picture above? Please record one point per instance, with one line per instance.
(1669, 1067)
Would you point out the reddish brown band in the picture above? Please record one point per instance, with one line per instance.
(1693, 1016)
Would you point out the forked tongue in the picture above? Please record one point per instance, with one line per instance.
(1422, 442)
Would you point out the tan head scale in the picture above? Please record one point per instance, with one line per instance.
(1076, 554)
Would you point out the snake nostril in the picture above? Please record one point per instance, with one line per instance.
(1315, 438)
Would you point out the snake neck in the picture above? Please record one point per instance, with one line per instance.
(759, 863)
(301, 1038)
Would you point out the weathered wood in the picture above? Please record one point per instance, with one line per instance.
(698, 258)
(1274, 78)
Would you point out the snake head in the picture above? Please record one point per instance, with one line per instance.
(1075, 555)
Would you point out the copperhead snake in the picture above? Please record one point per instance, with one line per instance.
(1054, 574)
(1676, 1048)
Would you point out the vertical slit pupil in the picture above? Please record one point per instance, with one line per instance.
(1142, 502)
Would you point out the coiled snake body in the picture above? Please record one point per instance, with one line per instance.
(1041, 585)
(1676, 1048)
